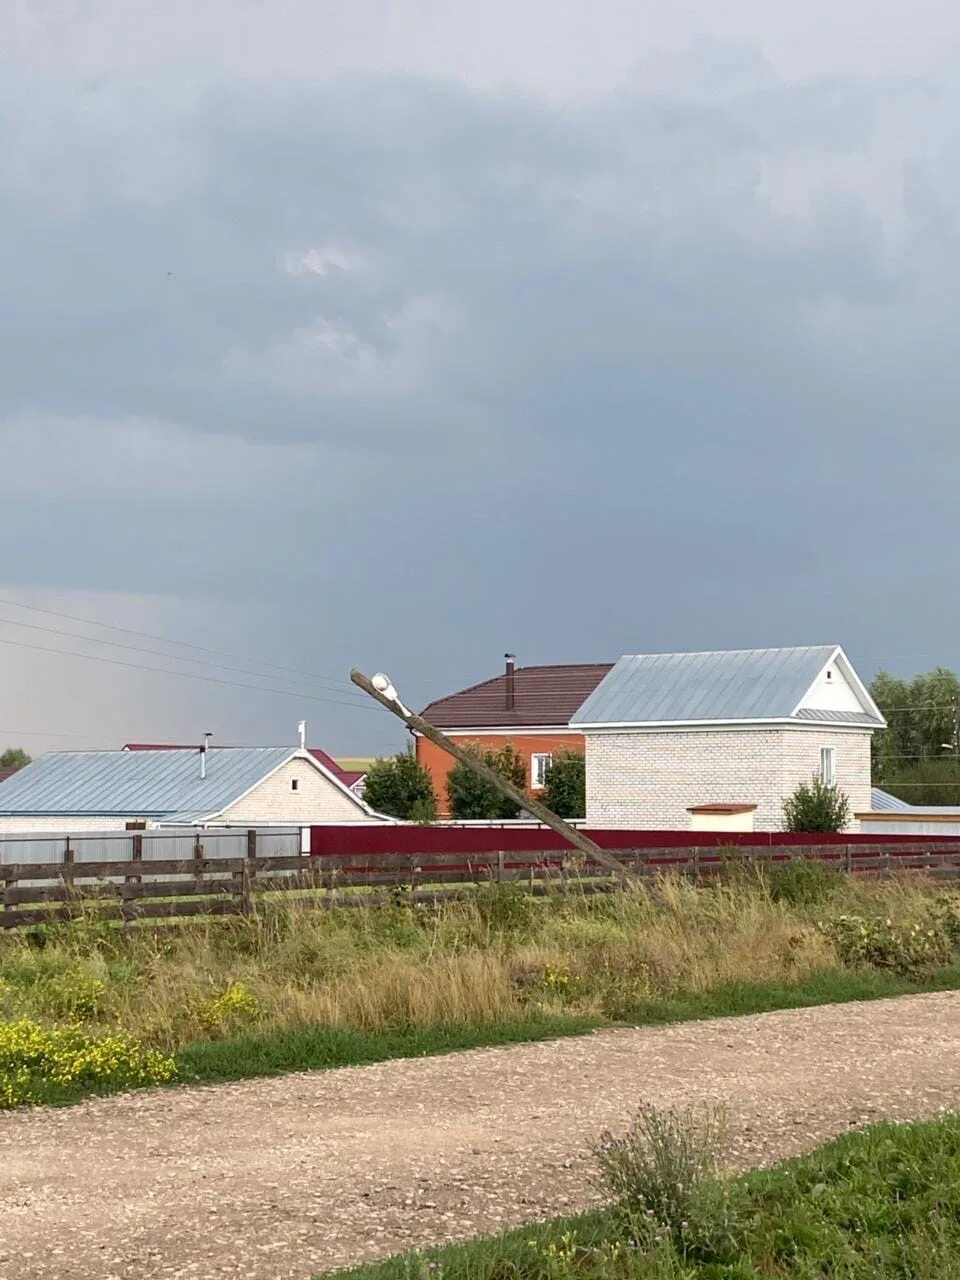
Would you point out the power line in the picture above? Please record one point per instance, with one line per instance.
(157, 653)
(925, 752)
(41, 733)
(186, 675)
(895, 783)
(183, 644)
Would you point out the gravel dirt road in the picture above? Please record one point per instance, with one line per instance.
(280, 1179)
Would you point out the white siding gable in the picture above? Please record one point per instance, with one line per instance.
(316, 799)
(832, 691)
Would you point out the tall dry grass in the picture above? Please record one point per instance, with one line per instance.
(495, 956)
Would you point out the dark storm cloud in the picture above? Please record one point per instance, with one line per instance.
(646, 358)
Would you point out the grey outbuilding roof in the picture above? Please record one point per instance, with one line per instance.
(883, 802)
(742, 684)
(137, 784)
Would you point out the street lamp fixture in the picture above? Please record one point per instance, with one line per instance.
(383, 684)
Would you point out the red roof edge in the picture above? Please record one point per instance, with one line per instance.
(347, 776)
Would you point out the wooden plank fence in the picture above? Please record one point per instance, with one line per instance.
(135, 889)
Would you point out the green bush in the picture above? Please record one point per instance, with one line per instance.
(471, 796)
(505, 908)
(802, 882)
(913, 948)
(658, 1170)
(401, 787)
(565, 791)
(814, 806)
(233, 1009)
(39, 1064)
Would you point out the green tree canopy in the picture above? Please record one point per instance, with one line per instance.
(565, 791)
(14, 758)
(400, 786)
(471, 796)
(917, 757)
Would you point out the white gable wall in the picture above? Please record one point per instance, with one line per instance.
(317, 799)
(651, 778)
(832, 692)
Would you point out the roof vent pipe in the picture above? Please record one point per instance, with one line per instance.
(510, 687)
(203, 755)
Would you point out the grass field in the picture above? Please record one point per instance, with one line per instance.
(293, 988)
(881, 1204)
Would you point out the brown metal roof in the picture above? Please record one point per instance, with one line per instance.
(544, 696)
(721, 808)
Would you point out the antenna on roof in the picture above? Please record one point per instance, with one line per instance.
(203, 754)
(302, 730)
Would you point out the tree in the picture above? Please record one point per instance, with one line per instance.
(401, 787)
(14, 758)
(899, 741)
(565, 791)
(471, 796)
(935, 782)
(815, 806)
(934, 698)
(917, 757)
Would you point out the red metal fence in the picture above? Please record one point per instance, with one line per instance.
(410, 840)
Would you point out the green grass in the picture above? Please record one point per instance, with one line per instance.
(880, 1204)
(291, 988)
(319, 1048)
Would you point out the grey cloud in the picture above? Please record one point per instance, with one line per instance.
(648, 355)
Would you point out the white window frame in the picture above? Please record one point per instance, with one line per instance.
(540, 762)
(828, 766)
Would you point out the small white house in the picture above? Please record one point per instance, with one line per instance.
(74, 791)
(717, 741)
(891, 816)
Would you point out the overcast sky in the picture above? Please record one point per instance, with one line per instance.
(399, 333)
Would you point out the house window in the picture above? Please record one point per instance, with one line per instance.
(539, 768)
(295, 784)
(828, 766)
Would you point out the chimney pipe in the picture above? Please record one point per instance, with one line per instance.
(203, 755)
(510, 689)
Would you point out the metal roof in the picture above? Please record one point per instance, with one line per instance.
(742, 684)
(543, 696)
(138, 784)
(883, 802)
(838, 717)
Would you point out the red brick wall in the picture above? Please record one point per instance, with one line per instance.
(527, 744)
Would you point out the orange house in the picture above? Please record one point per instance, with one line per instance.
(530, 707)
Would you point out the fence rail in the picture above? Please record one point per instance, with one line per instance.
(138, 888)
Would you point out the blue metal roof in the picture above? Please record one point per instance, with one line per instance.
(743, 684)
(137, 784)
(884, 802)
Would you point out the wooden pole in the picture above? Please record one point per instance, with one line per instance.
(533, 806)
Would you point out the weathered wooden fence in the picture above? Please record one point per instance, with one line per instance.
(141, 888)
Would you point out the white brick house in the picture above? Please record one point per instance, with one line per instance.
(717, 741)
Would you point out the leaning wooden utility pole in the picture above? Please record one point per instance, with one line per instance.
(387, 697)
